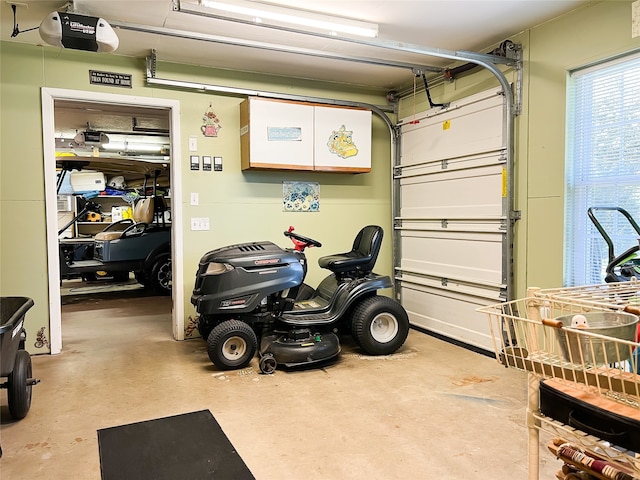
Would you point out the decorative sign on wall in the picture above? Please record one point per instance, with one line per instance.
(300, 197)
(211, 125)
(109, 78)
(41, 339)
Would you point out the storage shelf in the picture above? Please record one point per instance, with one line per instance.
(624, 460)
(527, 336)
(581, 461)
(84, 227)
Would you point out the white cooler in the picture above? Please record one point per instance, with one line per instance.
(87, 181)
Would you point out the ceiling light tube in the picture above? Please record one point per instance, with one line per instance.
(132, 147)
(272, 14)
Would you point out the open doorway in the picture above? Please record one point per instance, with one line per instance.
(115, 136)
(114, 193)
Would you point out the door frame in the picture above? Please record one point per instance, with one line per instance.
(49, 96)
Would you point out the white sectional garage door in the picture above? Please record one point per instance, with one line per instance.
(451, 250)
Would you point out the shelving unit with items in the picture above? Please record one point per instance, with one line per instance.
(581, 342)
(94, 222)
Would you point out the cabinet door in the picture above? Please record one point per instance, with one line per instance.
(342, 139)
(276, 135)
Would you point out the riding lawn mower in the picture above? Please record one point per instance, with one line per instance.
(256, 291)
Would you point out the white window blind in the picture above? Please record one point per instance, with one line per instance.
(602, 165)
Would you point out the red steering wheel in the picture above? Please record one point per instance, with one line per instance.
(300, 242)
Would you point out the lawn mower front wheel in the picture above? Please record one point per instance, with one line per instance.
(231, 345)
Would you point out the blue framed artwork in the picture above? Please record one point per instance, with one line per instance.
(300, 197)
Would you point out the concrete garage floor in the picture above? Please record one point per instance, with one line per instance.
(430, 411)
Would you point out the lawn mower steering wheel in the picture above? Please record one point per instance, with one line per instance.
(300, 240)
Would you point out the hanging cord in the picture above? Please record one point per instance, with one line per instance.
(426, 89)
(16, 29)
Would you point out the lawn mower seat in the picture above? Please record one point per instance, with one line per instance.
(362, 257)
(143, 212)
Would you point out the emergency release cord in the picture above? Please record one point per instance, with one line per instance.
(426, 89)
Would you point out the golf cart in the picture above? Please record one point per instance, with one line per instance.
(141, 244)
(255, 290)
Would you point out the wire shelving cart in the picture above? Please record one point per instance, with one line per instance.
(545, 335)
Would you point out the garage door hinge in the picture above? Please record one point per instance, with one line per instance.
(397, 223)
(515, 216)
(397, 171)
(445, 164)
(444, 282)
(444, 223)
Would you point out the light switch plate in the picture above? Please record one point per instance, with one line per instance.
(195, 198)
(193, 143)
(199, 223)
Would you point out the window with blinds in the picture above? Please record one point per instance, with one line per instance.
(602, 165)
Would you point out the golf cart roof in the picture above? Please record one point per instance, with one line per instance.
(133, 169)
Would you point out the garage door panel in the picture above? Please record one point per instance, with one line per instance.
(491, 293)
(449, 314)
(455, 255)
(482, 225)
(473, 193)
(470, 129)
(461, 164)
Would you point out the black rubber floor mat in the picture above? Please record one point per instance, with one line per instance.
(189, 446)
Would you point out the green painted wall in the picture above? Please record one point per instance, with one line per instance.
(246, 206)
(595, 32)
(242, 206)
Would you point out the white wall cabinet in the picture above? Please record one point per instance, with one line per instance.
(283, 135)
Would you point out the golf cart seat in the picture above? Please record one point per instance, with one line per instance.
(362, 257)
(143, 214)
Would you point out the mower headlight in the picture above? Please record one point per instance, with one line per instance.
(218, 268)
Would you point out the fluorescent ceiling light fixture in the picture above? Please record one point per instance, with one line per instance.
(133, 147)
(270, 14)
